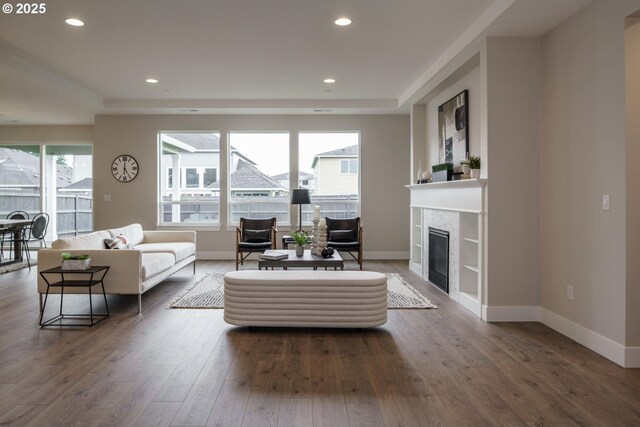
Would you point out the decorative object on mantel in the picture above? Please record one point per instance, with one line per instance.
(419, 174)
(452, 124)
(426, 177)
(473, 163)
(442, 172)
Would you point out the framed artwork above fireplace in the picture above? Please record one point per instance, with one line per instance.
(453, 122)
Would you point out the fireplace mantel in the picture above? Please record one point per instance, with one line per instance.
(464, 196)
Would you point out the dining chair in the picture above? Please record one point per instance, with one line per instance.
(35, 232)
(11, 231)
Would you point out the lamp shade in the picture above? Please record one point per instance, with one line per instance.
(300, 196)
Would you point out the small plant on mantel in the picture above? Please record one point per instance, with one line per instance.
(442, 167)
(473, 162)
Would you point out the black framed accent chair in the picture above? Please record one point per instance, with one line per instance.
(35, 232)
(345, 235)
(254, 235)
(9, 234)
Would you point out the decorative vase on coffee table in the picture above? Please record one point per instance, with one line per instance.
(299, 250)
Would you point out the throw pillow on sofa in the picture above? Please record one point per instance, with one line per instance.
(113, 243)
(126, 243)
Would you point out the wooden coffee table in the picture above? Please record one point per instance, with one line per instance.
(307, 260)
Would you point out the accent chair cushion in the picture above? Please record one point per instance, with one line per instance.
(341, 236)
(251, 246)
(343, 246)
(257, 236)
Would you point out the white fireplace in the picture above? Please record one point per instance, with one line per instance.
(457, 207)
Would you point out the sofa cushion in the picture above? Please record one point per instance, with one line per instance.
(86, 241)
(133, 232)
(155, 263)
(180, 250)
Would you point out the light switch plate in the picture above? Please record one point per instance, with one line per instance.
(570, 293)
(107, 197)
(605, 202)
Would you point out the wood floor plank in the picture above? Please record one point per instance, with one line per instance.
(230, 405)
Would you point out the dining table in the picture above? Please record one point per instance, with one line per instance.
(14, 226)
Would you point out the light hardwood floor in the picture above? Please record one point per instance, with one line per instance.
(187, 367)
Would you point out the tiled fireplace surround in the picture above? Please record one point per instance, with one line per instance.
(459, 208)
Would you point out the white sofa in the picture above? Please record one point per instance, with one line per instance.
(155, 255)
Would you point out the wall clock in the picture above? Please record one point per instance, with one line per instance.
(124, 168)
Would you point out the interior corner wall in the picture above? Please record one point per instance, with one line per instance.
(582, 157)
(385, 160)
(632, 118)
(470, 82)
(513, 126)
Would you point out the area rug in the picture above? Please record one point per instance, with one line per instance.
(208, 292)
(13, 267)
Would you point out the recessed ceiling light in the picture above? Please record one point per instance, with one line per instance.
(329, 80)
(165, 91)
(74, 22)
(343, 22)
(151, 80)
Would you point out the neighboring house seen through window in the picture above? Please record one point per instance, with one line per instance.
(193, 157)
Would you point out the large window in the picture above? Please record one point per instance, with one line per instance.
(69, 188)
(189, 162)
(329, 168)
(55, 179)
(258, 176)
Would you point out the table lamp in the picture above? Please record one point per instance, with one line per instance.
(300, 196)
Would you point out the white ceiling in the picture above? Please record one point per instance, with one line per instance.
(239, 56)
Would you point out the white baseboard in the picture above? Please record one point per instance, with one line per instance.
(632, 357)
(592, 340)
(374, 255)
(368, 256)
(523, 313)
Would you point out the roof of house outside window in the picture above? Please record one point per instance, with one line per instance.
(351, 151)
(247, 176)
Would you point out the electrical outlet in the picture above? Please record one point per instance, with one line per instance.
(107, 197)
(570, 293)
(605, 202)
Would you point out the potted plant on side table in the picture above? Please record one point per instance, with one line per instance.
(75, 262)
(301, 238)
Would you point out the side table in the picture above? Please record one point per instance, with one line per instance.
(286, 240)
(96, 277)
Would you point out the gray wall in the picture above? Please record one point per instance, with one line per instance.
(384, 153)
(583, 156)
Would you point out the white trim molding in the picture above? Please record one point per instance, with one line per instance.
(592, 340)
(501, 313)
